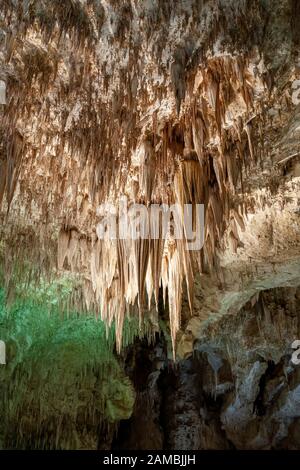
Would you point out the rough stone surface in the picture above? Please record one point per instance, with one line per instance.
(182, 101)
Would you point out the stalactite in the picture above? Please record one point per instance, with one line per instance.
(90, 117)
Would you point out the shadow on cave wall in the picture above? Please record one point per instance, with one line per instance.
(238, 391)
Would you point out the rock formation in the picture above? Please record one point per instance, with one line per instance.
(158, 102)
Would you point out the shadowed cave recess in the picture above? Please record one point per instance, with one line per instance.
(141, 343)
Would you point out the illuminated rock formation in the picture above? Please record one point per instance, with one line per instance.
(164, 102)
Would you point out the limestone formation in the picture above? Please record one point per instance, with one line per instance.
(159, 102)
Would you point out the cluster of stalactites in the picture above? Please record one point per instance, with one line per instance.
(131, 272)
(194, 158)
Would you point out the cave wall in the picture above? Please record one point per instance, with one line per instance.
(239, 390)
(162, 102)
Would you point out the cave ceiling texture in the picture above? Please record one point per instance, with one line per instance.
(141, 342)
